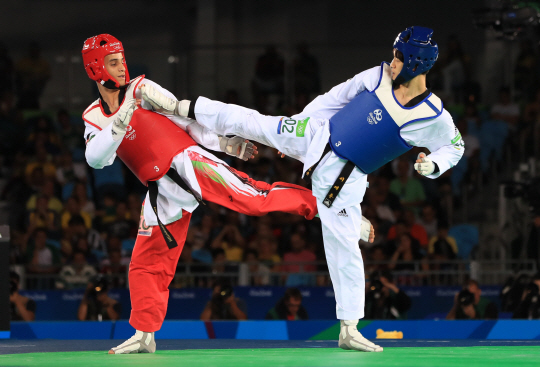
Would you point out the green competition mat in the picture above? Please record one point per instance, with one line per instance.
(493, 356)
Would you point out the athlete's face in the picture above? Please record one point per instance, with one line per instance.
(396, 66)
(115, 67)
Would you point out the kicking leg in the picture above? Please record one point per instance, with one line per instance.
(341, 233)
(235, 190)
(290, 136)
(151, 270)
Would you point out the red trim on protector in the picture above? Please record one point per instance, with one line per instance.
(91, 123)
(136, 85)
(103, 111)
(94, 125)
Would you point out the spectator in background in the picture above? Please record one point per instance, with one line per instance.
(123, 226)
(506, 110)
(269, 73)
(69, 171)
(42, 257)
(107, 213)
(72, 208)
(77, 229)
(442, 247)
(231, 241)
(32, 72)
(43, 161)
(47, 190)
(81, 245)
(391, 245)
(525, 71)
(454, 66)
(414, 229)
(81, 194)
(134, 202)
(70, 137)
(97, 304)
(376, 260)
(428, 219)
(42, 216)
(306, 72)
(43, 134)
(189, 265)
(409, 190)
(268, 253)
(114, 243)
(200, 235)
(289, 307)
(115, 267)
(77, 274)
(529, 305)
(299, 254)
(469, 304)
(219, 259)
(22, 308)
(408, 250)
(384, 300)
(224, 305)
(259, 273)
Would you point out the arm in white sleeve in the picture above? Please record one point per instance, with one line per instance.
(100, 146)
(326, 105)
(446, 157)
(199, 133)
(441, 137)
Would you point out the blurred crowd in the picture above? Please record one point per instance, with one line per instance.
(75, 222)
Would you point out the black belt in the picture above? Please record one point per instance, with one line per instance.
(309, 172)
(153, 193)
(340, 181)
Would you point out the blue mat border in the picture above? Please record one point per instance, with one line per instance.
(278, 330)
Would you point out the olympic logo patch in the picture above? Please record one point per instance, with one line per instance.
(374, 117)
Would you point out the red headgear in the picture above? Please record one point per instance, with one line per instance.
(94, 51)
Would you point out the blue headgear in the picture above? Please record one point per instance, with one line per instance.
(418, 50)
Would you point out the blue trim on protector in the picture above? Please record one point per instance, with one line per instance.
(5, 334)
(421, 119)
(410, 108)
(428, 102)
(380, 78)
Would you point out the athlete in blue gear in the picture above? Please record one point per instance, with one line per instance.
(341, 136)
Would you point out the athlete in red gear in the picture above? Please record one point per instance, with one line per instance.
(163, 153)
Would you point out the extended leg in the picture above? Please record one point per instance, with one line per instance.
(235, 190)
(290, 136)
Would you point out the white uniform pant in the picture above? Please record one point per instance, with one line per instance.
(341, 228)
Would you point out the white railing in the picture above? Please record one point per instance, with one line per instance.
(414, 273)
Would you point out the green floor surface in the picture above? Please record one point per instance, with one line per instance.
(324, 357)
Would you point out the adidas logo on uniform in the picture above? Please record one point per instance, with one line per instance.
(343, 213)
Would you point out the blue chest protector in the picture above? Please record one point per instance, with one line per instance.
(367, 130)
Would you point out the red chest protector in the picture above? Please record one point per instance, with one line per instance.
(150, 144)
